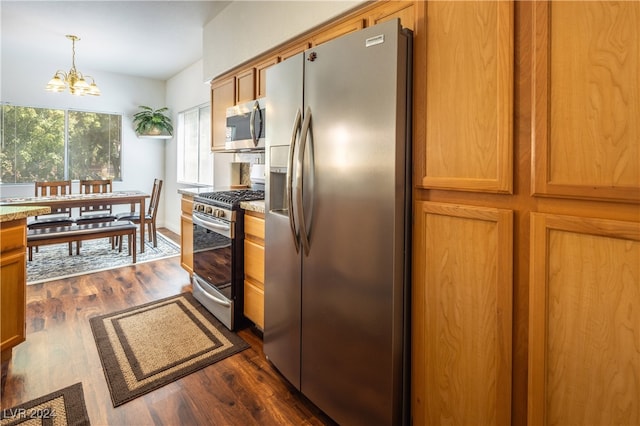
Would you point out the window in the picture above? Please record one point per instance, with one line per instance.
(195, 164)
(53, 144)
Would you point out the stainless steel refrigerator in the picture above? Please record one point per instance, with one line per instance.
(337, 224)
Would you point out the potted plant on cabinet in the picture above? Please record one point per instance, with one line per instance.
(152, 122)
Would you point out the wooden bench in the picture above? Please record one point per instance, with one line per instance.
(67, 234)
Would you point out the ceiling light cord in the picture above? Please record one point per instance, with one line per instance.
(74, 80)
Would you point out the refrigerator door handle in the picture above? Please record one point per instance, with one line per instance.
(304, 133)
(289, 192)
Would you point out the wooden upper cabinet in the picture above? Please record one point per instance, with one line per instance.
(584, 321)
(586, 103)
(261, 76)
(293, 50)
(394, 9)
(337, 31)
(223, 95)
(246, 86)
(468, 104)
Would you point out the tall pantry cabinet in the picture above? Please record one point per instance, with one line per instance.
(526, 260)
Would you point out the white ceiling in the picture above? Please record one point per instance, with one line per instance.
(154, 39)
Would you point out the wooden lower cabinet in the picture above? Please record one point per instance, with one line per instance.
(461, 371)
(186, 234)
(584, 356)
(13, 279)
(254, 267)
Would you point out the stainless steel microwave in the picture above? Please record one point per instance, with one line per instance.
(246, 126)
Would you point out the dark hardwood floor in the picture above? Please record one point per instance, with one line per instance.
(243, 389)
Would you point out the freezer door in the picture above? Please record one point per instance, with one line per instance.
(282, 294)
(354, 183)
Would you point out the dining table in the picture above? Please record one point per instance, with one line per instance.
(85, 200)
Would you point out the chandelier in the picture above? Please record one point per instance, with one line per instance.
(74, 80)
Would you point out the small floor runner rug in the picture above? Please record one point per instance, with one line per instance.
(63, 407)
(148, 346)
(52, 262)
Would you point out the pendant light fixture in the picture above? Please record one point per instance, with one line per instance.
(74, 80)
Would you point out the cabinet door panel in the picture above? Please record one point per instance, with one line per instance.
(261, 76)
(584, 323)
(186, 242)
(13, 290)
(254, 226)
(394, 9)
(254, 261)
(461, 358)
(469, 96)
(337, 31)
(246, 86)
(587, 99)
(222, 97)
(294, 50)
(254, 303)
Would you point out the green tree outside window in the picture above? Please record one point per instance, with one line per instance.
(36, 145)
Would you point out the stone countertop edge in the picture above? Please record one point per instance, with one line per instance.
(193, 191)
(9, 213)
(254, 206)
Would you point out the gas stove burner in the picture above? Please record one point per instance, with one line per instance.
(232, 197)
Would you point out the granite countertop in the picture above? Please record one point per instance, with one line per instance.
(195, 190)
(8, 213)
(254, 206)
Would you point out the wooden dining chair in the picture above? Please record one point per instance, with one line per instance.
(58, 216)
(150, 216)
(98, 213)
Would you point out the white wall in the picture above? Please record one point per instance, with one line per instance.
(185, 90)
(245, 29)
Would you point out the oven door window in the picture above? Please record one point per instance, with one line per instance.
(212, 258)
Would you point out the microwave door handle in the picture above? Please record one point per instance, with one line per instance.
(259, 133)
(289, 192)
(304, 133)
(252, 123)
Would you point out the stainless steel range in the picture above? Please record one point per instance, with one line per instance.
(218, 252)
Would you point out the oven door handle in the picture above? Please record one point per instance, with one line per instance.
(211, 226)
(199, 282)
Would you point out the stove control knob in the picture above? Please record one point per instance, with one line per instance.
(199, 207)
(208, 210)
(218, 213)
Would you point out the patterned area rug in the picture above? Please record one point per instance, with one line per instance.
(53, 262)
(63, 407)
(148, 346)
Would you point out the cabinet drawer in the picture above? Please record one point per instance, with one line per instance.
(186, 205)
(254, 303)
(13, 238)
(254, 261)
(254, 226)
